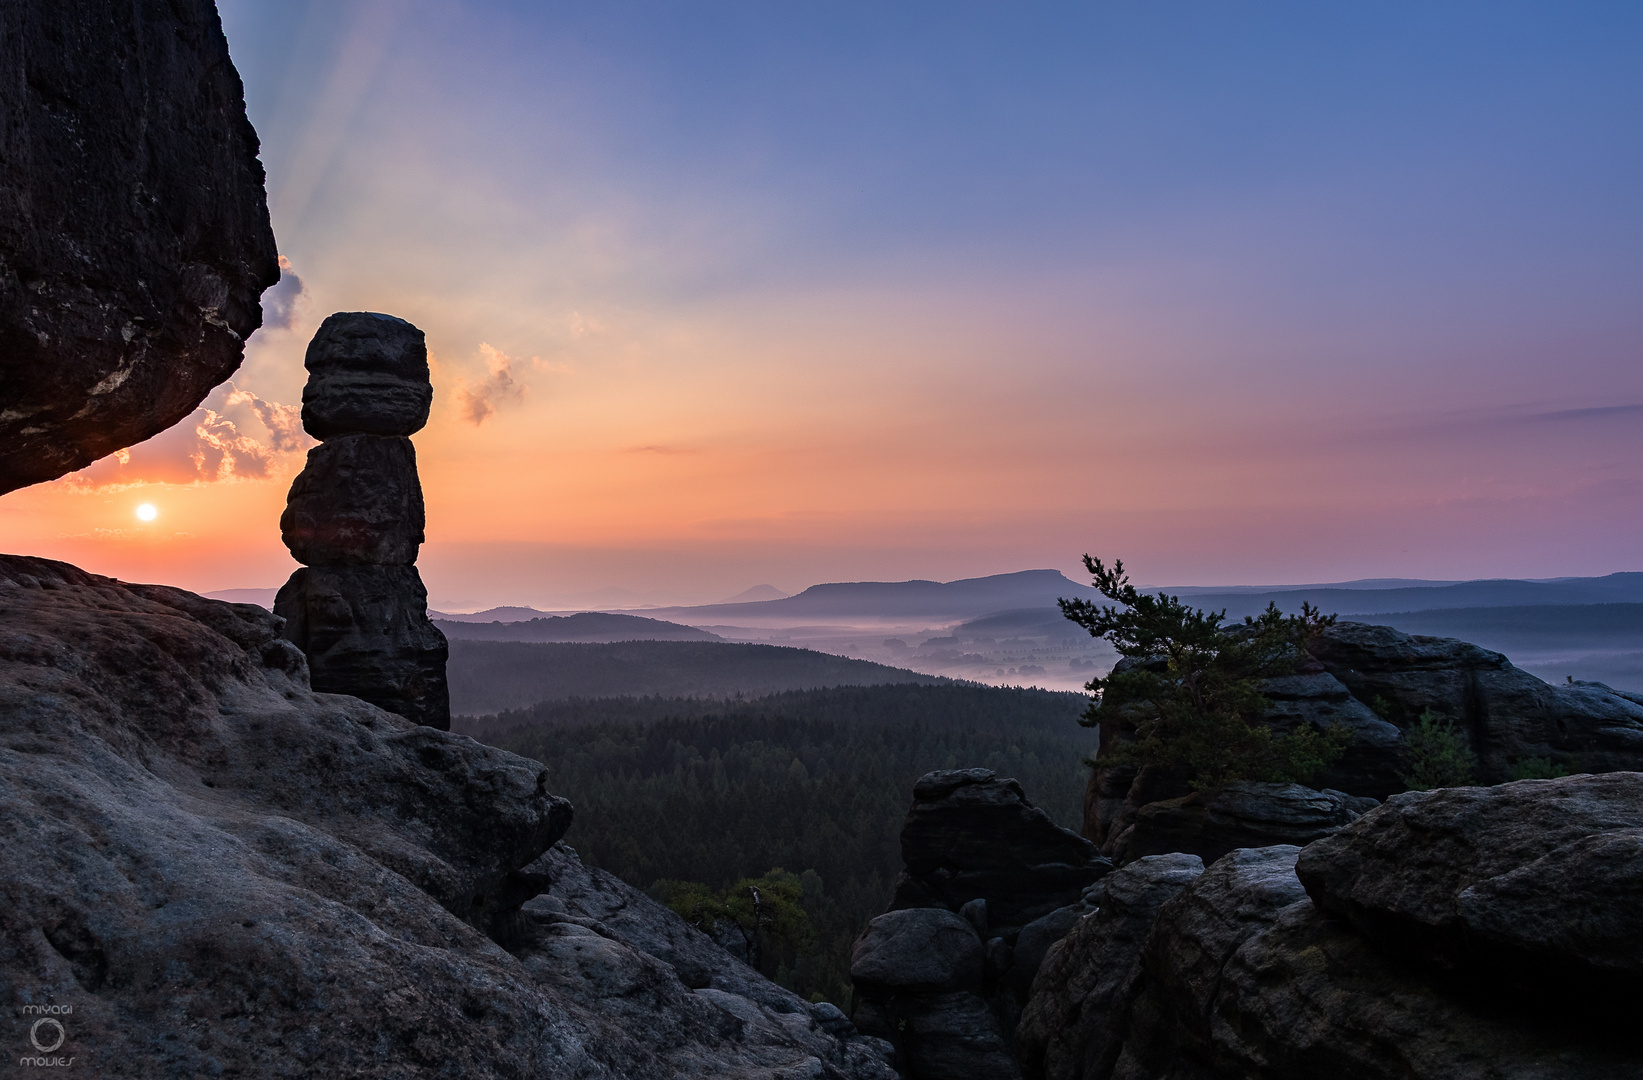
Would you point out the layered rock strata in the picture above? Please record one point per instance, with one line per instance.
(990, 883)
(211, 869)
(1236, 972)
(134, 235)
(355, 517)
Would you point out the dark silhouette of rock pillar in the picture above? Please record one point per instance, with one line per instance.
(355, 519)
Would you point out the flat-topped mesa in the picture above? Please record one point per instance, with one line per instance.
(355, 517)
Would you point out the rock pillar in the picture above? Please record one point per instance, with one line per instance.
(355, 519)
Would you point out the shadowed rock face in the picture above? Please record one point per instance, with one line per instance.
(134, 234)
(367, 375)
(223, 872)
(366, 632)
(1452, 900)
(990, 883)
(1536, 883)
(358, 502)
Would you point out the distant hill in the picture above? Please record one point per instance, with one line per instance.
(757, 592)
(489, 676)
(592, 626)
(1613, 589)
(260, 597)
(901, 599)
(489, 615)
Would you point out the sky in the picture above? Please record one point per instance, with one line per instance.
(722, 294)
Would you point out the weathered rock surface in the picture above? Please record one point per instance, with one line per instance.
(1209, 824)
(1237, 975)
(134, 235)
(1536, 882)
(224, 872)
(1507, 713)
(970, 835)
(917, 949)
(365, 632)
(367, 375)
(1075, 1021)
(357, 502)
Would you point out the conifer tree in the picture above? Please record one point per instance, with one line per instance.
(1191, 685)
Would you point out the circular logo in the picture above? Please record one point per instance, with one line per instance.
(34, 1035)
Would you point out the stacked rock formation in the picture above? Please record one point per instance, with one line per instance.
(355, 517)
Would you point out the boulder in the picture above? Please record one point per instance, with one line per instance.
(971, 835)
(1209, 824)
(367, 375)
(365, 632)
(1074, 1023)
(1534, 883)
(1239, 975)
(134, 234)
(357, 502)
(917, 949)
(211, 869)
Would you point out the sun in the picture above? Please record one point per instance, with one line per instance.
(146, 512)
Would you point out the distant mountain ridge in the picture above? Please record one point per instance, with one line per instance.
(590, 626)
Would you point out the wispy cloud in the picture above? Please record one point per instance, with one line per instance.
(500, 386)
(1598, 412)
(211, 446)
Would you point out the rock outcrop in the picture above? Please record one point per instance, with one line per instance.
(1377, 681)
(990, 883)
(358, 609)
(220, 871)
(134, 234)
(1537, 884)
(1237, 973)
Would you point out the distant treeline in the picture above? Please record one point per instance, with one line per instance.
(490, 676)
(819, 781)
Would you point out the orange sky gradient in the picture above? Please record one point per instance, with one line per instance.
(1300, 301)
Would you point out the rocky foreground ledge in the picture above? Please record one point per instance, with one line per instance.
(218, 872)
(1462, 933)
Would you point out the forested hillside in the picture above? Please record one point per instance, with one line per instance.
(813, 782)
(489, 676)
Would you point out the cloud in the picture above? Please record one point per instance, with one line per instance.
(210, 446)
(284, 422)
(478, 402)
(1601, 411)
(279, 304)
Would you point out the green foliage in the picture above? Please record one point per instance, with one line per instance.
(1538, 768)
(1438, 754)
(767, 911)
(1193, 685)
(703, 793)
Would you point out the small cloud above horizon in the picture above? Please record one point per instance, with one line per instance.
(500, 386)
